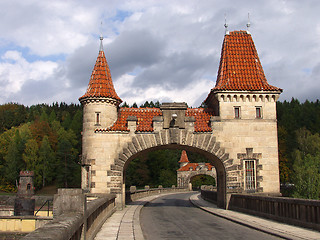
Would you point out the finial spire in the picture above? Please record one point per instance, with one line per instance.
(101, 38)
(248, 24)
(226, 24)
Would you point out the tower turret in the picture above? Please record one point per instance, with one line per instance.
(183, 159)
(100, 102)
(100, 107)
(240, 80)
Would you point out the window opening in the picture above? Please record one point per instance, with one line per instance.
(97, 118)
(258, 112)
(237, 112)
(250, 175)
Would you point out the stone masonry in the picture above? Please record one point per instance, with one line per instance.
(236, 131)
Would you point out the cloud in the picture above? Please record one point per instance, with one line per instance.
(15, 71)
(155, 49)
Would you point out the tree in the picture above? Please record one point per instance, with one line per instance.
(68, 173)
(14, 159)
(199, 180)
(47, 161)
(306, 165)
(307, 176)
(32, 163)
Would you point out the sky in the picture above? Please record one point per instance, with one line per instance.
(167, 51)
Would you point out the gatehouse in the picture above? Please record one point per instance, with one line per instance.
(236, 130)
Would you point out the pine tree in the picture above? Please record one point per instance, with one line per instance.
(47, 161)
(13, 159)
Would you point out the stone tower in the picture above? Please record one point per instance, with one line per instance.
(100, 109)
(183, 159)
(245, 105)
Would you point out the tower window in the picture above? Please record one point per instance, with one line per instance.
(258, 112)
(236, 112)
(97, 118)
(250, 175)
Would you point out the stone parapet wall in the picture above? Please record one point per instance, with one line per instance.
(81, 221)
(300, 212)
(133, 196)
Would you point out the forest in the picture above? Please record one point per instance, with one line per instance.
(47, 140)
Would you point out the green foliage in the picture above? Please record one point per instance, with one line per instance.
(47, 161)
(299, 146)
(306, 165)
(13, 159)
(40, 139)
(199, 180)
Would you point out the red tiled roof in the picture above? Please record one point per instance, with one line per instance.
(145, 116)
(240, 68)
(194, 167)
(100, 84)
(184, 157)
(202, 117)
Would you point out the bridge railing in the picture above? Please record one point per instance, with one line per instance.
(300, 212)
(135, 194)
(75, 216)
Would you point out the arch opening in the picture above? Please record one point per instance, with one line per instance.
(210, 158)
(197, 181)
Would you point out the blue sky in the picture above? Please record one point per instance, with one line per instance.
(157, 50)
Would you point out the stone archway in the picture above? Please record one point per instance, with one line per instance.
(203, 143)
(191, 176)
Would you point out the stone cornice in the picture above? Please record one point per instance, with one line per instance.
(89, 100)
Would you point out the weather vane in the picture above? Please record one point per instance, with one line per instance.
(225, 24)
(101, 38)
(248, 24)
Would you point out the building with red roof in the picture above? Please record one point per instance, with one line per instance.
(236, 131)
(189, 170)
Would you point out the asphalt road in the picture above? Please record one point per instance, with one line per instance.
(174, 217)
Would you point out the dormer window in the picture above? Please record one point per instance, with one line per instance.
(258, 112)
(236, 112)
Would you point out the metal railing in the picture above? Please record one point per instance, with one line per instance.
(48, 211)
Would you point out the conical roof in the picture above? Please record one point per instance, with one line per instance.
(184, 157)
(240, 68)
(100, 84)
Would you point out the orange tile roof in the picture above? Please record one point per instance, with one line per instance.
(100, 84)
(184, 157)
(240, 68)
(144, 119)
(202, 117)
(145, 116)
(194, 166)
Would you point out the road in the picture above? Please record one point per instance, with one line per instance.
(174, 217)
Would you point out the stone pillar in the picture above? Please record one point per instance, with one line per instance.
(69, 200)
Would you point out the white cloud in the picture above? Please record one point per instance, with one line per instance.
(16, 71)
(173, 44)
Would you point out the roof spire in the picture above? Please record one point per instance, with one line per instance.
(101, 38)
(226, 24)
(248, 24)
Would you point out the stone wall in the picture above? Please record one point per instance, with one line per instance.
(76, 216)
(132, 196)
(106, 154)
(300, 212)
